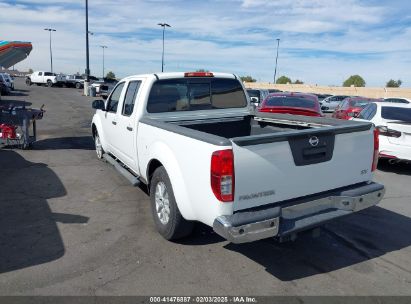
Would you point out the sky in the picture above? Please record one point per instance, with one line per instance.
(321, 41)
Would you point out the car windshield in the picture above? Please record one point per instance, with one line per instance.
(254, 93)
(359, 103)
(293, 101)
(396, 113)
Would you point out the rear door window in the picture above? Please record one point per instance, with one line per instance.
(129, 100)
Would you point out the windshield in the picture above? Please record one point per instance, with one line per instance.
(293, 101)
(396, 113)
(359, 103)
(186, 94)
(254, 93)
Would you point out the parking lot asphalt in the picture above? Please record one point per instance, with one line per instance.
(71, 225)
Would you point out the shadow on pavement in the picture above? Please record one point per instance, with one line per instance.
(82, 143)
(18, 93)
(21, 90)
(349, 241)
(400, 168)
(5, 103)
(28, 231)
(202, 235)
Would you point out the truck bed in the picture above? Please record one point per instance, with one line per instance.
(262, 124)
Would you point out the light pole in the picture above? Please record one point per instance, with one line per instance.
(103, 47)
(51, 54)
(276, 59)
(163, 25)
(87, 81)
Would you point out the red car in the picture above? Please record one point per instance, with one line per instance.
(291, 103)
(352, 106)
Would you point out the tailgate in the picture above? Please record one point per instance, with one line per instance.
(287, 165)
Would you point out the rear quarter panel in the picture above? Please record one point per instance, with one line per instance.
(187, 162)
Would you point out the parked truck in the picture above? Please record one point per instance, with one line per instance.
(194, 140)
(75, 81)
(45, 78)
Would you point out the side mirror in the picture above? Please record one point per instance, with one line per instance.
(104, 96)
(98, 104)
(254, 99)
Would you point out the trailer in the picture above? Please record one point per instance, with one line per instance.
(18, 126)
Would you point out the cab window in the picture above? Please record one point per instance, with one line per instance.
(130, 98)
(115, 98)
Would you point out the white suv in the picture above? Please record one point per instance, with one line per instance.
(393, 121)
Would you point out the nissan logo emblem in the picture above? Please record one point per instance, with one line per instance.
(314, 141)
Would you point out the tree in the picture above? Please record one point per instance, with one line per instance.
(355, 80)
(283, 80)
(393, 84)
(111, 75)
(31, 71)
(247, 79)
(298, 82)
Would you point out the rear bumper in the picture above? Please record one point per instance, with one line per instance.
(401, 153)
(297, 215)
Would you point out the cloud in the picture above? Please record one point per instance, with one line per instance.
(321, 41)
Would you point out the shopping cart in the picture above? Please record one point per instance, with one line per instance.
(18, 126)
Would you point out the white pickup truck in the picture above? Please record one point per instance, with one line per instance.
(45, 78)
(194, 141)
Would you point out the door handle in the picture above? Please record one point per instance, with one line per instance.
(130, 128)
(113, 122)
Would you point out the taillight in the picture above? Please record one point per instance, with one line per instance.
(376, 148)
(384, 131)
(222, 175)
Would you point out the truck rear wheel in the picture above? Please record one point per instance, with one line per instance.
(167, 217)
(78, 85)
(49, 83)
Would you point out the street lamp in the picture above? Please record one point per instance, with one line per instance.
(276, 58)
(103, 47)
(87, 81)
(51, 54)
(163, 25)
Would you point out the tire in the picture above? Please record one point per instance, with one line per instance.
(28, 82)
(78, 85)
(99, 148)
(167, 217)
(49, 83)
